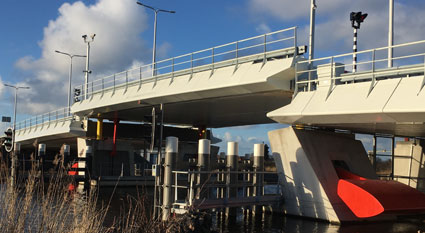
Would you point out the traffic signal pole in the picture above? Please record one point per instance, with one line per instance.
(355, 51)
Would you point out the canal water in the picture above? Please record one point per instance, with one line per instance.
(273, 223)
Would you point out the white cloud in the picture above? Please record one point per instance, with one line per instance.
(245, 144)
(263, 28)
(117, 46)
(333, 28)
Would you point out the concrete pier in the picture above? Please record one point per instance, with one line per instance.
(232, 178)
(258, 178)
(171, 151)
(204, 151)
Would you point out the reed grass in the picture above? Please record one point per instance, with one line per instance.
(32, 205)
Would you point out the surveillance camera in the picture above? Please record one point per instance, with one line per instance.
(84, 36)
(92, 37)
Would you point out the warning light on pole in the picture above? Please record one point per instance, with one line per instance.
(8, 140)
(357, 18)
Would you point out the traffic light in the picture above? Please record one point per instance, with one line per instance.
(8, 140)
(77, 93)
(357, 18)
(202, 133)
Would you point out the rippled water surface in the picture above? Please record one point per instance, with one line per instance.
(280, 223)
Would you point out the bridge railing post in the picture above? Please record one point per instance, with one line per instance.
(372, 83)
(212, 59)
(191, 63)
(265, 49)
(295, 42)
(126, 79)
(140, 76)
(172, 68)
(237, 53)
(114, 83)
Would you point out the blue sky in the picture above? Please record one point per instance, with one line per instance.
(32, 30)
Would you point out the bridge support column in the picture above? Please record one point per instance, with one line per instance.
(232, 177)
(258, 178)
(204, 150)
(41, 155)
(307, 163)
(99, 129)
(65, 155)
(171, 151)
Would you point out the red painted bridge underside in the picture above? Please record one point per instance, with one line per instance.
(368, 198)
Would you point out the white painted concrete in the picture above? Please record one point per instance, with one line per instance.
(64, 128)
(393, 106)
(309, 178)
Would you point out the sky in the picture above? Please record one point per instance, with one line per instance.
(32, 30)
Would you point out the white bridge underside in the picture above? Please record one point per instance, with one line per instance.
(227, 96)
(394, 106)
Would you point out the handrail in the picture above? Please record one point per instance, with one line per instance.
(410, 60)
(191, 62)
(53, 116)
(206, 59)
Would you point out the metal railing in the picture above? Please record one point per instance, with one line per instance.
(238, 52)
(216, 180)
(408, 59)
(46, 118)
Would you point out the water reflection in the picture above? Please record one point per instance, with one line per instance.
(270, 223)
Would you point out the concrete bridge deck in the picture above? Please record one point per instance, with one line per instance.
(227, 85)
(377, 99)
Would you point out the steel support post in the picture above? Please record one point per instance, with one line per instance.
(41, 154)
(171, 150)
(258, 179)
(232, 177)
(204, 150)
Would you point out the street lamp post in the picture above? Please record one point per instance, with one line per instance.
(70, 75)
(13, 155)
(87, 71)
(156, 10)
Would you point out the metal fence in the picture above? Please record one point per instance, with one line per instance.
(46, 118)
(238, 52)
(408, 58)
(217, 180)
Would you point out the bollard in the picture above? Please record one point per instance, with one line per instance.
(65, 156)
(171, 150)
(41, 150)
(41, 154)
(232, 178)
(258, 179)
(204, 151)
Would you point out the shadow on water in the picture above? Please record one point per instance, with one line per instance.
(271, 223)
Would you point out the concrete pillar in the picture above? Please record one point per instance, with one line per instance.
(171, 151)
(232, 178)
(204, 151)
(66, 152)
(258, 179)
(41, 154)
(41, 150)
